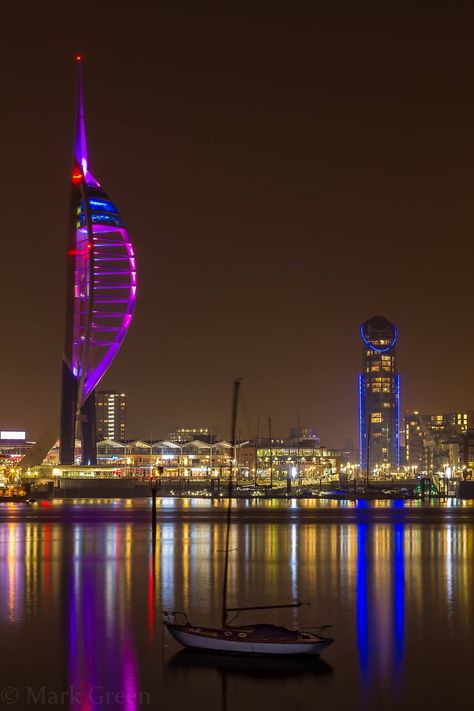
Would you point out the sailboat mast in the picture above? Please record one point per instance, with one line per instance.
(256, 455)
(229, 505)
(271, 452)
(298, 458)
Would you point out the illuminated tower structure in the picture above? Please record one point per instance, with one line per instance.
(101, 293)
(379, 396)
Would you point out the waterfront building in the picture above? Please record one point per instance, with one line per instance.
(198, 459)
(436, 441)
(304, 435)
(467, 453)
(379, 397)
(13, 446)
(111, 415)
(180, 435)
(191, 459)
(101, 292)
(282, 459)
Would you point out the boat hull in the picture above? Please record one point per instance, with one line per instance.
(214, 644)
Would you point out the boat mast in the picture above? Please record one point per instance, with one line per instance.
(271, 452)
(298, 458)
(229, 505)
(256, 455)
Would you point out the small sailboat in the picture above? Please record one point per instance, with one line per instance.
(257, 639)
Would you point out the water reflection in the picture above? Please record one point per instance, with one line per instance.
(260, 667)
(90, 593)
(101, 651)
(363, 596)
(380, 603)
(399, 592)
(262, 671)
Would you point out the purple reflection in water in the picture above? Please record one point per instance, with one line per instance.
(102, 675)
(129, 677)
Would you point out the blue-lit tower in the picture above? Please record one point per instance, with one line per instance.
(379, 396)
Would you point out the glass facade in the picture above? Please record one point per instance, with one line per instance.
(379, 396)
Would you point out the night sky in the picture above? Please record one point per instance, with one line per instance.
(285, 171)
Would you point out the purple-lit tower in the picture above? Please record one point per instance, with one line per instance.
(101, 293)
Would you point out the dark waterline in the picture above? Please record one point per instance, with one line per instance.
(80, 596)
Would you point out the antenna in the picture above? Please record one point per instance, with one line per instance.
(80, 143)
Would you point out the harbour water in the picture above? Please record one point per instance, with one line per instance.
(82, 586)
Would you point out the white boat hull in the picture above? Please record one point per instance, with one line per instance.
(193, 640)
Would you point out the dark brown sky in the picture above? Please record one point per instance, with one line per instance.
(285, 170)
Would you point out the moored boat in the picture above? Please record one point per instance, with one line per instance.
(258, 639)
(261, 639)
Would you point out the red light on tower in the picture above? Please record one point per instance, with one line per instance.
(78, 57)
(76, 176)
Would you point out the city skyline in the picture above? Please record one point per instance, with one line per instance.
(261, 212)
(237, 411)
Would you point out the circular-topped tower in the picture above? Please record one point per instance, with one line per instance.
(379, 334)
(379, 398)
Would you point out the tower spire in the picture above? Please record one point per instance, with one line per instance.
(80, 144)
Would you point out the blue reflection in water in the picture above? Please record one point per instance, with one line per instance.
(399, 594)
(399, 589)
(369, 645)
(362, 597)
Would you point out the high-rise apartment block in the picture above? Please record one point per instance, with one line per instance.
(433, 442)
(111, 415)
(379, 396)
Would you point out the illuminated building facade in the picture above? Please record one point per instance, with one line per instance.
(433, 442)
(13, 445)
(304, 435)
(201, 460)
(101, 292)
(185, 434)
(467, 453)
(379, 396)
(283, 459)
(111, 415)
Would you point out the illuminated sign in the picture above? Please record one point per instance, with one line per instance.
(5, 434)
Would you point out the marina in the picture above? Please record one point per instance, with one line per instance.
(389, 576)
